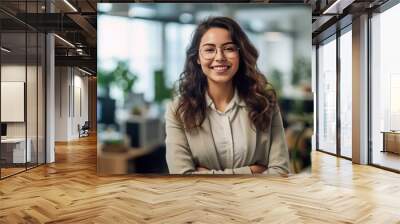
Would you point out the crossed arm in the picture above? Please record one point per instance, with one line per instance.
(180, 159)
(253, 168)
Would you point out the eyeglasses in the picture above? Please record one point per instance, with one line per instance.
(208, 52)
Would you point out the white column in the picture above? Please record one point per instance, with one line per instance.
(360, 90)
(50, 99)
(314, 91)
(50, 92)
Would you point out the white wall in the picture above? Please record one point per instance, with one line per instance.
(12, 73)
(61, 103)
(80, 108)
(71, 94)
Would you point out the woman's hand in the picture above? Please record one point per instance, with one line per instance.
(199, 168)
(257, 168)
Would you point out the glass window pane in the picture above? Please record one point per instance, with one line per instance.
(14, 150)
(139, 43)
(144, 54)
(178, 38)
(327, 97)
(346, 94)
(385, 84)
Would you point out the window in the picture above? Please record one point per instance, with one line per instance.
(327, 96)
(138, 42)
(178, 37)
(346, 94)
(385, 87)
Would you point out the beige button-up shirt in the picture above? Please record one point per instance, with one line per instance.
(226, 130)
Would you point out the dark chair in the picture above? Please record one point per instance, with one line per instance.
(84, 130)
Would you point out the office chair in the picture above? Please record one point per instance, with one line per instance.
(84, 130)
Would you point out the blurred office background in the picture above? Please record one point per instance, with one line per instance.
(141, 53)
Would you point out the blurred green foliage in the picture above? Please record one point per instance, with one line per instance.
(162, 92)
(301, 71)
(121, 77)
(276, 80)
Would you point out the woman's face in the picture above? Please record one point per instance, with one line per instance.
(218, 56)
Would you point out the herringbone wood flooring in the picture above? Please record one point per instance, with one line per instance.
(69, 191)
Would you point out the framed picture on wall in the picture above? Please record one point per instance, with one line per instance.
(12, 101)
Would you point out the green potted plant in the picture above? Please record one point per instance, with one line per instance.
(121, 76)
(162, 92)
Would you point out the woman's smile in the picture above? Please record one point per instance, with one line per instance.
(220, 68)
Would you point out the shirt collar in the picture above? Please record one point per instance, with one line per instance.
(235, 100)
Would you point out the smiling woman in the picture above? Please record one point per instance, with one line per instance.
(225, 119)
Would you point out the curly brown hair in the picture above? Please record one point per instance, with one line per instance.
(251, 84)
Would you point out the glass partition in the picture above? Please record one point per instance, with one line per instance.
(13, 106)
(22, 92)
(31, 97)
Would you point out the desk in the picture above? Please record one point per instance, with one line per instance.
(13, 150)
(118, 162)
(391, 141)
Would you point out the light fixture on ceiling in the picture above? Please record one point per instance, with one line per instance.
(104, 7)
(78, 44)
(5, 50)
(70, 5)
(64, 40)
(273, 36)
(141, 11)
(257, 25)
(84, 71)
(337, 7)
(79, 51)
(204, 14)
(185, 17)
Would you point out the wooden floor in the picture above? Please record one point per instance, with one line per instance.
(8, 171)
(5, 172)
(69, 191)
(387, 159)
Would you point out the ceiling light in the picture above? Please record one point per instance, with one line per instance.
(104, 7)
(70, 5)
(5, 50)
(273, 36)
(257, 25)
(84, 71)
(65, 41)
(140, 11)
(185, 17)
(338, 6)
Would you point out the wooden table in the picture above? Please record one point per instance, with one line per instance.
(118, 162)
(13, 150)
(391, 141)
